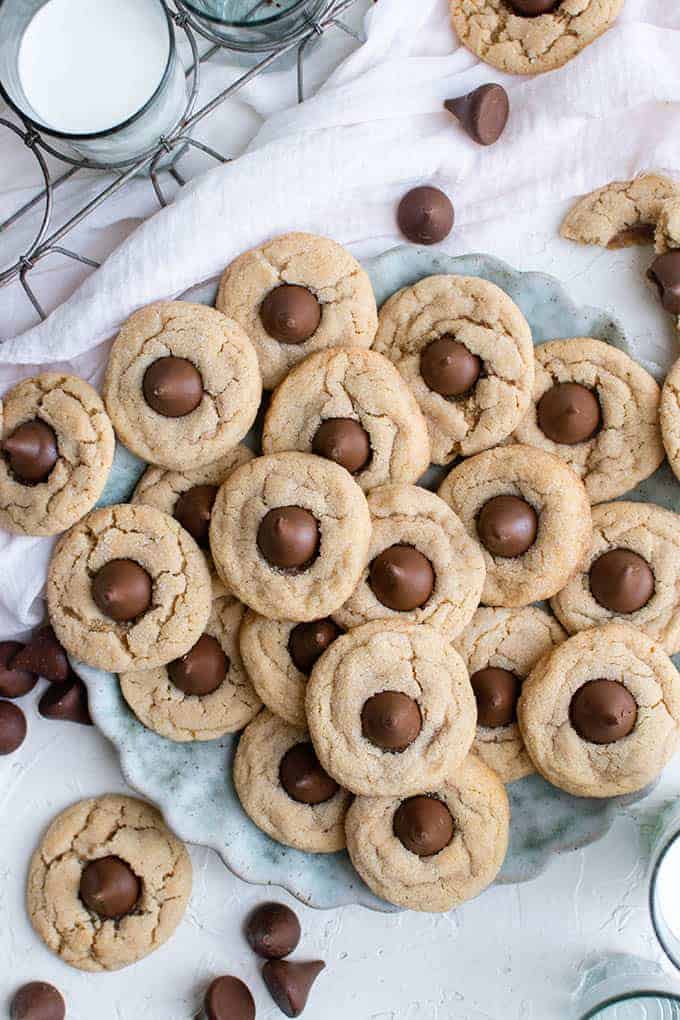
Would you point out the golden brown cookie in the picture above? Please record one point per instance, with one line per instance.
(619, 214)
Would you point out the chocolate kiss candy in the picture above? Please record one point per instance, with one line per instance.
(665, 273)
(401, 578)
(423, 825)
(569, 413)
(532, 8)
(14, 683)
(482, 113)
(603, 711)
(173, 387)
(391, 720)
(308, 642)
(290, 314)
(496, 691)
(425, 215)
(37, 1001)
(344, 441)
(122, 590)
(621, 581)
(193, 510)
(449, 368)
(109, 887)
(44, 656)
(202, 670)
(12, 727)
(303, 778)
(228, 998)
(507, 526)
(66, 702)
(32, 451)
(273, 931)
(288, 537)
(290, 983)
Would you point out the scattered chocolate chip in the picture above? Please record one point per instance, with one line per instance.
(290, 314)
(603, 711)
(507, 526)
(482, 113)
(173, 387)
(193, 510)
(109, 887)
(37, 1001)
(31, 451)
(391, 720)
(66, 702)
(401, 578)
(122, 590)
(449, 368)
(14, 683)
(308, 642)
(44, 656)
(288, 537)
(665, 273)
(303, 778)
(569, 413)
(533, 8)
(12, 727)
(425, 215)
(344, 441)
(423, 825)
(202, 670)
(621, 581)
(228, 998)
(273, 931)
(496, 691)
(290, 983)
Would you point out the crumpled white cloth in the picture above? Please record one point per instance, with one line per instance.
(338, 164)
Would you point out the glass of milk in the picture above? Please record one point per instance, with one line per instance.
(664, 883)
(623, 987)
(100, 79)
(255, 25)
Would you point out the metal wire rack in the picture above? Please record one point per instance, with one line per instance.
(164, 158)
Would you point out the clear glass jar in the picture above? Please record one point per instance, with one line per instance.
(254, 26)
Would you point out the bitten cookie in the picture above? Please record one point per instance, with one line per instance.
(631, 572)
(57, 449)
(619, 214)
(667, 234)
(531, 515)
(205, 693)
(390, 709)
(353, 407)
(285, 791)
(295, 295)
(500, 647)
(670, 417)
(108, 884)
(522, 37)
(182, 384)
(598, 410)
(128, 589)
(422, 564)
(434, 851)
(289, 535)
(465, 350)
(600, 715)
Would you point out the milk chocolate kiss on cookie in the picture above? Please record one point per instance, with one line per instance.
(288, 537)
(109, 887)
(507, 526)
(401, 578)
(534, 8)
(31, 451)
(344, 441)
(621, 581)
(496, 692)
(308, 642)
(569, 413)
(449, 368)
(173, 387)
(391, 720)
(122, 590)
(603, 711)
(303, 778)
(290, 314)
(424, 825)
(202, 670)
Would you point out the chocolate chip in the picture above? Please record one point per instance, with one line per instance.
(569, 413)
(302, 777)
(37, 1001)
(603, 711)
(507, 526)
(290, 314)
(621, 581)
(109, 887)
(425, 215)
(344, 441)
(31, 451)
(228, 998)
(273, 931)
(401, 578)
(308, 642)
(202, 670)
(14, 683)
(122, 590)
(12, 727)
(44, 656)
(288, 537)
(665, 273)
(290, 983)
(533, 8)
(193, 510)
(449, 368)
(423, 825)
(66, 702)
(497, 691)
(173, 387)
(391, 720)
(482, 113)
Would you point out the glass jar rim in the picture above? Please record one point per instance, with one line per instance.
(658, 861)
(262, 23)
(617, 1000)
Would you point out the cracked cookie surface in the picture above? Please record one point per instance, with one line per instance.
(481, 317)
(478, 803)
(627, 447)
(132, 831)
(85, 445)
(619, 214)
(617, 652)
(670, 417)
(226, 361)
(334, 277)
(667, 235)
(181, 593)
(512, 640)
(530, 45)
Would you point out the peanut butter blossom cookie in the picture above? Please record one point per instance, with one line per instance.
(203, 694)
(422, 564)
(350, 406)
(435, 850)
(531, 36)
(670, 412)
(530, 514)
(284, 789)
(108, 884)
(57, 447)
(621, 213)
(289, 535)
(600, 716)
(295, 295)
(598, 410)
(128, 589)
(500, 647)
(182, 385)
(465, 350)
(390, 709)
